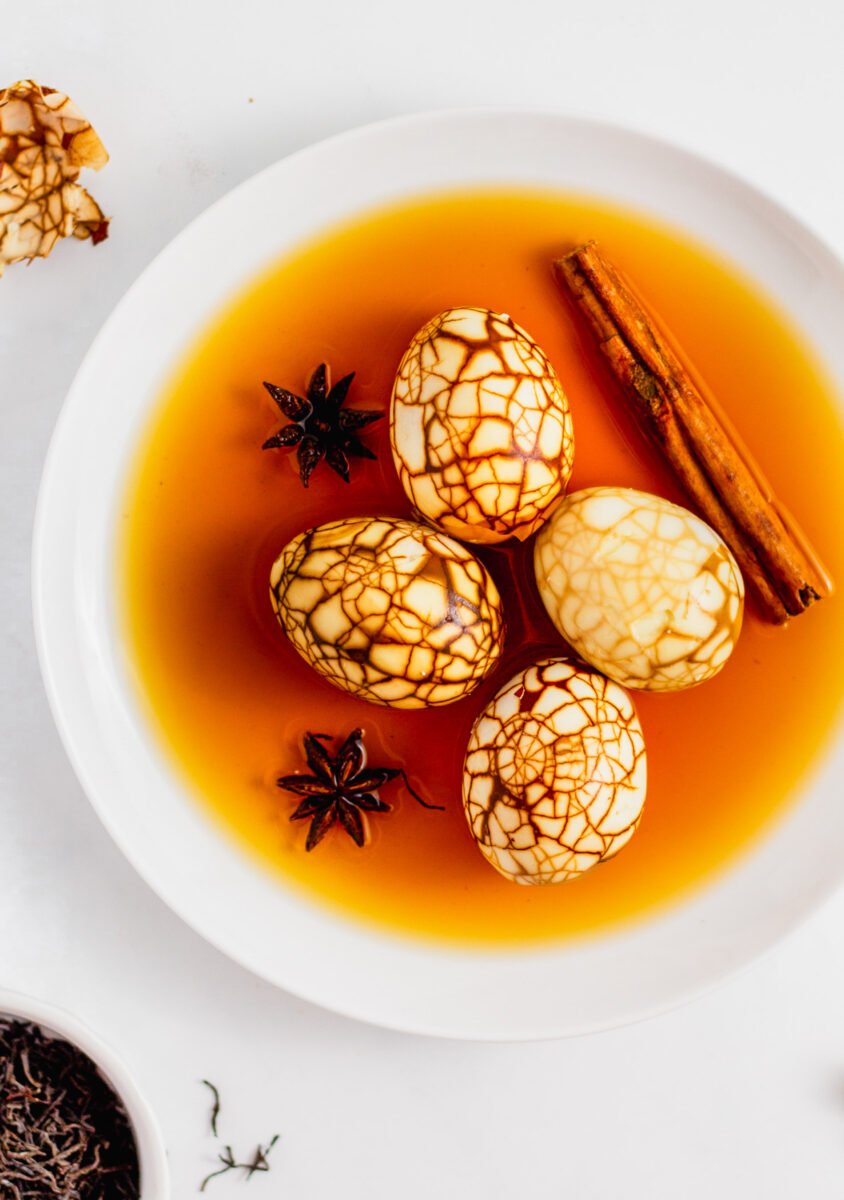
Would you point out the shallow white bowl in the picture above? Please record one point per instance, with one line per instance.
(379, 977)
(155, 1184)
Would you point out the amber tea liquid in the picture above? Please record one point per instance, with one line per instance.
(207, 512)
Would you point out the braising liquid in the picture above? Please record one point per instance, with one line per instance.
(207, 511)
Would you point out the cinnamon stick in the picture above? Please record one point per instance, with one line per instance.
(709, 461)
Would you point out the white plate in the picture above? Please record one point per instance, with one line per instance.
(202, 875)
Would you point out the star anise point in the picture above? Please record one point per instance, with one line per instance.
(341, 789)
(319, 426)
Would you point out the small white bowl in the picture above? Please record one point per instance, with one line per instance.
(152, 1159)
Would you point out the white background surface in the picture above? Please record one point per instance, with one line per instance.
(738, 1095)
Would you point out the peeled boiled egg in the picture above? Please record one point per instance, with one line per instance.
(641, 588)
(555, 774)
(389, 610)
(480, 427)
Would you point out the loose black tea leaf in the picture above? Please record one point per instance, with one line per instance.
(257, 1163)
(341, 788)
(63, 1131)
(259, 1160)
(215, 1108)
(319, 426)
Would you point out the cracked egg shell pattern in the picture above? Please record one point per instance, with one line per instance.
(642, 589)
(555, 775)
(389, 610)
(45, 141)
(480, 426)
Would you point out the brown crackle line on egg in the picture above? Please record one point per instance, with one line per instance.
(389, 610)
(45, 141)
(504, 489)
(641, 588)
(555, 774)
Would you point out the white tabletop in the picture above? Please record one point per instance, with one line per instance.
(740, 1094)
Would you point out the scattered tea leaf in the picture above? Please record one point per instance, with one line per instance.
(215, 1108)
(226, 1157)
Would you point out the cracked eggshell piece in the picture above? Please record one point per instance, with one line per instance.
(555, 774)
(45, 141)
(642, 589)
(480, 426)
(389, 610)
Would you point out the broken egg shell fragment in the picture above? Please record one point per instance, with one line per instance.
(480, 426)
(642, 589)
(45, 141)
(555, 774)
(389, 610)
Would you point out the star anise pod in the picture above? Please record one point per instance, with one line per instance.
(341, 788)
(319, 425)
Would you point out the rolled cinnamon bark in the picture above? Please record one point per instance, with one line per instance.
(710, 464)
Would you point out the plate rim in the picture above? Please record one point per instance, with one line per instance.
(40, 556)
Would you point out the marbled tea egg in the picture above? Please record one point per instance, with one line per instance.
(389, 610)
(480, 426)
(555, 775)
(641, 588)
